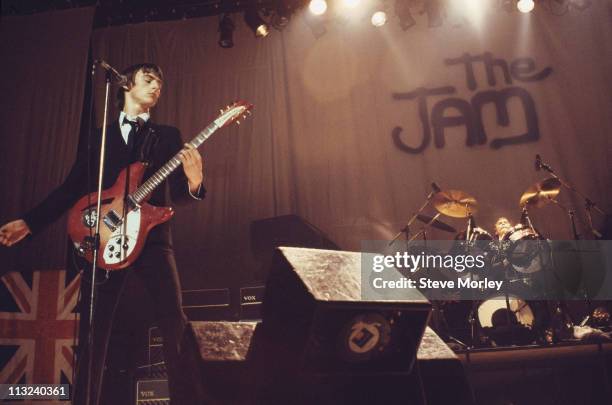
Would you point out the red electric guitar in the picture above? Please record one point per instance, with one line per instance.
(127, 220)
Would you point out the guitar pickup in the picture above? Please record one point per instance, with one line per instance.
(112, 220)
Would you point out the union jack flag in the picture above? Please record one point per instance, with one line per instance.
(37, 327)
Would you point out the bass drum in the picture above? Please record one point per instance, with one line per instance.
(507, 323)
(493, 312)
(525, 249)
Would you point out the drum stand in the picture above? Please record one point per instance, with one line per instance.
(525, 220)
(474, 311)
(423, 231)
(406, 229)
(472, 322)
(560, 309)
(509, 311)
(589, 206)
(471, 224)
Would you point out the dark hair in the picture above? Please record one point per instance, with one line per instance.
(130, 73)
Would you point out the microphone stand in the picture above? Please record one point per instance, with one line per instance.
(96, 238)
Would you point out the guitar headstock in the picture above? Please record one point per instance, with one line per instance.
(234, 112)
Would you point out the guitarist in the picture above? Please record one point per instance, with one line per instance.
(130, 137)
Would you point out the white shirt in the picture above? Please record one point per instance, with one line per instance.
(126, 128)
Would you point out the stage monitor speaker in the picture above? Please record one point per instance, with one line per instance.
(236, 359)
(314, 311)
(238, 367)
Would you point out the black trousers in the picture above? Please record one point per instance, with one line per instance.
(156, 270)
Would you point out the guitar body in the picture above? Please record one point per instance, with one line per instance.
(123, 227)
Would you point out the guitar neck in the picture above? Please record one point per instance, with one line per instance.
(166, 170)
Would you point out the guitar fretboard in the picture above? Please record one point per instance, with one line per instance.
(166, 170)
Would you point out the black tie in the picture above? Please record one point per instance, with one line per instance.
(136, 125)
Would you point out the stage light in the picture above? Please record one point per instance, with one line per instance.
(280, 16)
(525, 6)
(255, 23)
(402, 10)
(226, 31)
(379, 18)
(317, 7)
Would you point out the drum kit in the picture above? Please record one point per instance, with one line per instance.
(519, 251)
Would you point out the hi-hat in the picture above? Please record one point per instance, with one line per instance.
(436, 223)
(541, 193)
(455, 203)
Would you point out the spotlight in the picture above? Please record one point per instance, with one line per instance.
(255, 23)
(226, 31)
(379, 18)
(402, 10)
(525, 6)
(280, 16)
(317, 7)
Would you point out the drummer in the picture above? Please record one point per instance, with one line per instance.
(502, 227)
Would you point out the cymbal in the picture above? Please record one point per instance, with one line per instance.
(454, 203)
(540, 194)
(436, 223)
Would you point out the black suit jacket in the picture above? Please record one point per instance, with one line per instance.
(154, 143)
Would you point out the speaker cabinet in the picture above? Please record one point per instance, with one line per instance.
(313, 310)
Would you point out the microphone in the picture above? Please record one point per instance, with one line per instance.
(121, 80)
(538, 163)
(435, 187)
